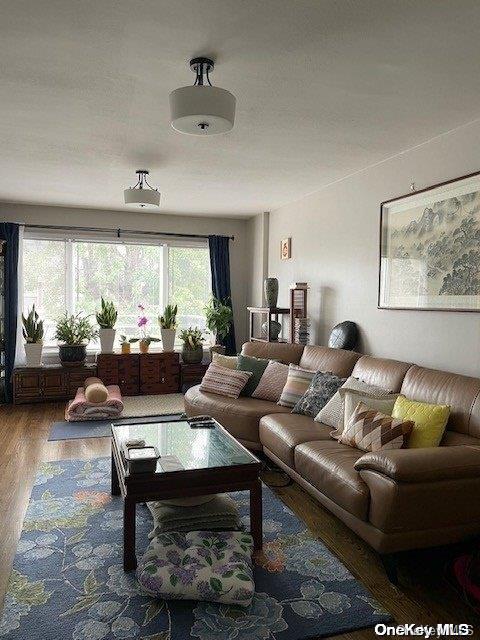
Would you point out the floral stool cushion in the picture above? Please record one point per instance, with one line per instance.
(199, 565)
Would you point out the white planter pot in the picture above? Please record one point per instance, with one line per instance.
(107, 338)
(33, 353)
(168, 339)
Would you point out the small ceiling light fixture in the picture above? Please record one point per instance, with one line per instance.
(142, 193)
(201, 109)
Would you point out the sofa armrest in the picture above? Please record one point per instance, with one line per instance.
(424, 465)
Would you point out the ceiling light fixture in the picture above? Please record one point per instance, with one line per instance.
(142, 193)
(201, 109)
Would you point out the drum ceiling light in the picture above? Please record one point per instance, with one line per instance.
(201, 109)
(142, 193)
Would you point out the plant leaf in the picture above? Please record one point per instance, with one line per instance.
(216, 584)
(90, 583)
(152, 611)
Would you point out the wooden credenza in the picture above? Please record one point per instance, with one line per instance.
(49, 382)
(140, 373)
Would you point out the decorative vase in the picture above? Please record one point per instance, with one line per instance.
(271, 292)
(126, 347)
(144, 346)
(192, 356)
(33, 353)
(275, 328)
(168, 339)
(107, 338)
(72, 354)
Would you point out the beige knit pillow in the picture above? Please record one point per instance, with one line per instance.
(332, 412)
(224, 381)
(225, 361)
(271, 383)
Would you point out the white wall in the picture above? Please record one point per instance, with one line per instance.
(240, 258)
(257, 230)
(335, 238)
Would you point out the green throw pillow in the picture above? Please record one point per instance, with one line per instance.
(256, 366)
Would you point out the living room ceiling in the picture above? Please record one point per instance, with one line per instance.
(324, 88)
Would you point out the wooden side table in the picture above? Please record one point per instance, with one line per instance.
(141, 373)
(49, 382)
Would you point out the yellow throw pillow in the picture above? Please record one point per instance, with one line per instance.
(430, 421)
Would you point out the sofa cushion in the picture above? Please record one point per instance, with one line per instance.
(281, 433)
(338, 361)
(272, 382)
(298, 381)
(224, 381)
(381, 372)
(429, 421)
(283, 352)
(329, 467)
(240, 416)
(256, 366)
(323, 386)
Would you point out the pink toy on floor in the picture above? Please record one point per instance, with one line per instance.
(79, 409)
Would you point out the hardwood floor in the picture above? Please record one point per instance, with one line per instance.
(423, 597)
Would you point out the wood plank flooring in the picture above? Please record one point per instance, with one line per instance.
(424, 596)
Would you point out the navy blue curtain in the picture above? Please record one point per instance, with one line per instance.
(9, 233)
(220, 266)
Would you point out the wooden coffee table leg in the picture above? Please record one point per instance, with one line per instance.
(115, 483)
(256, 514)
(129, 557)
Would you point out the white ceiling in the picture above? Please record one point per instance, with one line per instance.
(323, 88)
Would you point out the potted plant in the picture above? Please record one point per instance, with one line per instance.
(74, 332)
(106, 319)
(219, 318)
(168, 327)
(33, 334)
(192, 350)
(126, 343)
(145, 340)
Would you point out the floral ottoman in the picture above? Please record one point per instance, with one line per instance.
(199, 565)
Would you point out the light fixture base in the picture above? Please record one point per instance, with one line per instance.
(202, 64)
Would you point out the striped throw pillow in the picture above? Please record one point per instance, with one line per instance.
(298, 381)
(224, 381)
(370, 430)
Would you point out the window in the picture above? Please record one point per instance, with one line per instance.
(72, 275)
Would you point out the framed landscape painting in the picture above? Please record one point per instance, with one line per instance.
(430, 248)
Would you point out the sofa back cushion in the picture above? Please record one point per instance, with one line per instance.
(338, 361)
(461, 393)
(286, 353)
(387, 374)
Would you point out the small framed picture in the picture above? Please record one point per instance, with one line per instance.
(286, 249)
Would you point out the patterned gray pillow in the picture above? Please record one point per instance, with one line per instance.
(323, 386)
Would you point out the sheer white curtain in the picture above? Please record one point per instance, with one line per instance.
(19, 350)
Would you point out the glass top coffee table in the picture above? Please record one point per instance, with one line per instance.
(212, 460)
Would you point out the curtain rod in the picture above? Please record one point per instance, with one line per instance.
(118, 232)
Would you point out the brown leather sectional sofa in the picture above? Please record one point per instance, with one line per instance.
(394, 500)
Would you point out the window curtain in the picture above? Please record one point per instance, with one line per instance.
(9, 232)
(220, 266)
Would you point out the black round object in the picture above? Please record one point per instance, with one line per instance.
(72, 354)
(344, 336)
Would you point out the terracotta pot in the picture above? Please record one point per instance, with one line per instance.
(144, 346)
(126, 347)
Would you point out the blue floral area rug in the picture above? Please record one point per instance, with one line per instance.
(68, 580)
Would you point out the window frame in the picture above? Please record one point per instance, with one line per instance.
(50, 352)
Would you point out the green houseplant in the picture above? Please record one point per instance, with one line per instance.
(73, 332)
(106, 319)
(219, 317)
(168, 326)
(192, 350)
(33, 335)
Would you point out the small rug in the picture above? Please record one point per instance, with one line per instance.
(167, 405)
(68, 581)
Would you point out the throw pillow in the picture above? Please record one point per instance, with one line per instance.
(371, 430)
(224, 381)
(351, 399)
(256, 366)
(298, 381)
(199, 565)
(322, 387)
(332, 412)
(430, 421)
(225, 361)
(272, 382)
